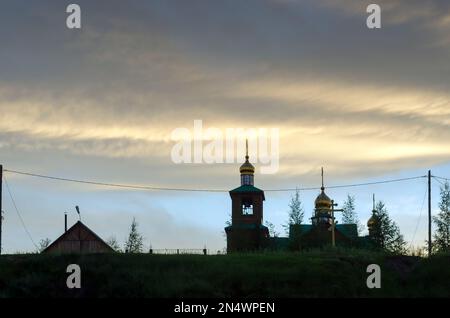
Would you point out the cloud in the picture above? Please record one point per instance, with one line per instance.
(430, 16)
(101, 103)
(324, 118)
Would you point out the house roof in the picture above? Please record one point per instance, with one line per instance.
(78, 225)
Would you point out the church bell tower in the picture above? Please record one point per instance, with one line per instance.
(246, 231)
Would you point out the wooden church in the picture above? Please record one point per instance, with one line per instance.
(247, 232)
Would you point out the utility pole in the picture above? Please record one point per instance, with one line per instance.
(429, 213)
(333, 237)
(1, 211)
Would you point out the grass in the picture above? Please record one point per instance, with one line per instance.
(317, 273)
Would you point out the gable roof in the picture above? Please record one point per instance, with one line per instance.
(78, 225)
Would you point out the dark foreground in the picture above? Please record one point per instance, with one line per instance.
(311, 274)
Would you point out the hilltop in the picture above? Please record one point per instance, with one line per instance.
(309, 274)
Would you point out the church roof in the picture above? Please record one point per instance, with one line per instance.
(247, 167)
(348, 230)
(322, 198)
(247, 189)
(297, 230)
(372, 221)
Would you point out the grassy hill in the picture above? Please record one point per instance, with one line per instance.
(311, 274)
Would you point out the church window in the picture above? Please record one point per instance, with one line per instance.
(247, 207)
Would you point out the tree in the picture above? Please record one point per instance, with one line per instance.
(271, 228)
(442, 221)
(349, 215)
(386, 233)
(43, 244)
(134, 244)
(112, 242)
(296, 212)
(227, 224)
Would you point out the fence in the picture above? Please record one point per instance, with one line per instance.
(192, 251)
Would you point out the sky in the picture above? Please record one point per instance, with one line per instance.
(100, 103)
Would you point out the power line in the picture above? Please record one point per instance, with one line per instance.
(117, 185)
(441, 178)
(18, 213)
(155, 188)
(440, 182)
(418, 219)
(352, 185)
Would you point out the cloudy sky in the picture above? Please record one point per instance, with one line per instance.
(100, 104)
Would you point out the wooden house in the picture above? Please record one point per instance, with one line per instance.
(79, 239)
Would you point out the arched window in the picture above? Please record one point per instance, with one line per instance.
(247, 207)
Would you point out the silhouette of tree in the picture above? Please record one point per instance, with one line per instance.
(386, 233)
(296, 212)
(442, 221)
(271, 228)
(349, 215)
(43, 244)
(112, 242)
(134, 244)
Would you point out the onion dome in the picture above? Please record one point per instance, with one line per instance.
(323, 208)
(322, 201)
(373, 221)
(247, 167)
(247, 170)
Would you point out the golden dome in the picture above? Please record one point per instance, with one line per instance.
(372, 221)
(322, 200)
(247, 167)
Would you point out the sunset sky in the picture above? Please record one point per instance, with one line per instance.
(100, 104)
